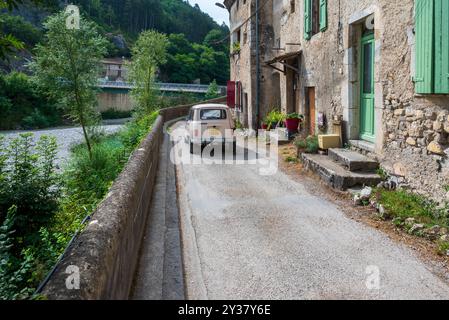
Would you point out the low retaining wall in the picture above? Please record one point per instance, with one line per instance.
(104, 256)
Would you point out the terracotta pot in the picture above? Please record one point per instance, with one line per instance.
(292, 124)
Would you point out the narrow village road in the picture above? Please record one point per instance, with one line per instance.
(248, 236)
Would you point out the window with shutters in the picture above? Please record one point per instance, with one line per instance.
(315, 17)
(432, 46)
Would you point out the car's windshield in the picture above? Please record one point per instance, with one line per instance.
(213, 114)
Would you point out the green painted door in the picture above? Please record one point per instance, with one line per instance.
(367, 89)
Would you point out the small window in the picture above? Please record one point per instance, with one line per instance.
(213, 114)
(292, 6)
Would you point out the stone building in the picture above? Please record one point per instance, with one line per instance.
(380, 65)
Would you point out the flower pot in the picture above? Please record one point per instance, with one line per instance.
(264, 126)
(292, 124)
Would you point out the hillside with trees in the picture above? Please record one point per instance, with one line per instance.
(196, 50)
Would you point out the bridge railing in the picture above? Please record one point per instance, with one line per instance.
(178, 87)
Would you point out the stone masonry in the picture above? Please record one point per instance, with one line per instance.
(411, 130)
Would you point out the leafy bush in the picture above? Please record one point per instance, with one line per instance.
(38, 224)
(308, 145)
(136, 130)
(28, 201)
(213, 91)
(20, 29)
(115, 114)
(22, 105)
(29, 182)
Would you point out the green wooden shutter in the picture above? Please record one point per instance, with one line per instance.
(441, 46)
(323, 15)
(424, 29)
(307, 19)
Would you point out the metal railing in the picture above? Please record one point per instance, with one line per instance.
(176, 87)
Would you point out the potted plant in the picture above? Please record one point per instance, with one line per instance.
(236, 48)
(292, 121)
(273, 119)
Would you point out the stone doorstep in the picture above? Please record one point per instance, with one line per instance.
(353, 161)
(335, 175)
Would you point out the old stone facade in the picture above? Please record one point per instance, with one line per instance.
(323, 76)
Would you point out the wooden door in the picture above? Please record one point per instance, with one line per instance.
(311, 113)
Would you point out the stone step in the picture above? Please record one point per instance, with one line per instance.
(337, 176)
(353, 161)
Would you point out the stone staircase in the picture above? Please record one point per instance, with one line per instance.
(343, 169)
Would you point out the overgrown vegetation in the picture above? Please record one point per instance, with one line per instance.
(29, 192)
(148, 54)
(67, 65)
(213, 91)
(40, 210)
(308, 145)
(416, 214)
(24, 106)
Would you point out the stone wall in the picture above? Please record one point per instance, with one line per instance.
(412, 130)
(106, 252)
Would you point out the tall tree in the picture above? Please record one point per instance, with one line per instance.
(67, 66)
(148, 54)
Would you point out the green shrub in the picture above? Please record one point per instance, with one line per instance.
(115, 114)
(35, 120)
(213, 91)
(136, 130)
(308, 145)
(22, 105)
(30, 182)
(39, 225)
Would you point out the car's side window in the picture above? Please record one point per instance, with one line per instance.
(213, 114)
(191, 113)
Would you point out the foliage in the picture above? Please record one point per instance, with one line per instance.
(167, 16)
(8, 42)
(148, 54)
(22, 105)
(217, 40)
(20, 29)
(28, 200)
(294, 116)
(236, 47)
(115, 114)
(308, 145)
(403, 204)
(29, 182)
(187, 62)
(67, 66)
(213, 91)
(273, 118)
(136, 130)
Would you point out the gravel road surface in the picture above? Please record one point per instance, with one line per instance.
(65, 137)
(248, 236)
